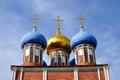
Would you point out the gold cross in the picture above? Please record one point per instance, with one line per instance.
(58, 20)
(81, 21)
(35, 18)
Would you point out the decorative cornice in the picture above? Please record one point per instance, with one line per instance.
(59, 68)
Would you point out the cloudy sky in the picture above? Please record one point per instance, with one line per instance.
(102, 20)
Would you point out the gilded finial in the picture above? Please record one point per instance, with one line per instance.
(58, 20)
(35, 18)
(81, 21)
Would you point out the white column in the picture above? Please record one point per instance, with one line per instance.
(34, 54)
(44, 74)
(75, 58)
(88, 50)
(21, 74)
(14, 74)
(75, 74)
(99, 78)
(105, 73)
(49, 59)
(23, 54)
(29, 52)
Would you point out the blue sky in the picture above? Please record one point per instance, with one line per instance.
(102, 20)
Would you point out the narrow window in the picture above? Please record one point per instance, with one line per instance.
(52, 61)
(40, 56)
(63, 59)
(66, 59)
(77, 57)
(31, 54)
(86, 54)
(59, 60)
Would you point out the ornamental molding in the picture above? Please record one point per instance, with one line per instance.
(50, 68)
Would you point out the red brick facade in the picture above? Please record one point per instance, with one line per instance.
(61, 75)
(95, 72)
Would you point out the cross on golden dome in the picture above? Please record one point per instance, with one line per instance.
(35, 19)
(81, 21)
(58, 20)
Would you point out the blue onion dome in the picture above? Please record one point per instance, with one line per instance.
(44, 63)
(83, 37)
(72, 62)
(34, 37)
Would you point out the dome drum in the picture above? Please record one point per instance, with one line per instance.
(58, 49)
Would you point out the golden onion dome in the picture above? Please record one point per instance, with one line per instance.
(58, 41)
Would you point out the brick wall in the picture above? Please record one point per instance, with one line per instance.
(90, 75)
(33, 76)
(18, 75)
(102, 75)
(60, 75)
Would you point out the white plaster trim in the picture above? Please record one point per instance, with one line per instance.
(21, 74)
(34, 54)
(99, 78)
(80, 68)
(108, 76)
(14, 74)
(105, 73)
(75, 74)
(75, 58)
(29, 53)
(49, 60)
(45, 75)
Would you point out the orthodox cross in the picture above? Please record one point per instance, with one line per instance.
(35, 19)
(81, 21)
(58, 20)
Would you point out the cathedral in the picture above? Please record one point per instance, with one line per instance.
(59, 48)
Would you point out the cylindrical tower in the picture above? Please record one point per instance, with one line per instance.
(83, 45)
(58, 49)
(33, 45)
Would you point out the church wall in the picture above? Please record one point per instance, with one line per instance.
(61, 75)
(33, 75)
(91, 75)
(85, 75)
(102, 75)
(18, 75)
